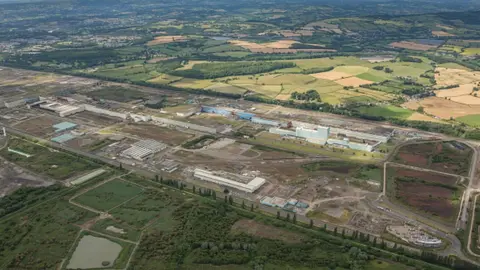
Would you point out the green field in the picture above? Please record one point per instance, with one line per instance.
(109, 195)
(471, 120)
(129, 232)
(41, 237)
(45, 161)
(119, 94)
(385, 111)
(141, 209)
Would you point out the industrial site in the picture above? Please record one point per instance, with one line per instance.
(319, 167)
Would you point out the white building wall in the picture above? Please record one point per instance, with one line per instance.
(71, 111)
(360, 135)
(282, 132)
(94, 109)
(183, 125)
(15, 103)
(209, 177)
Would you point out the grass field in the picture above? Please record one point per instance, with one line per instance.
(471, 120)
(471, 51)
(109, 195)
(388, 111)
(129, 232)
(141, 209)
(46, 161)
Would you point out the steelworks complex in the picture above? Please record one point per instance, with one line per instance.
(146, 149)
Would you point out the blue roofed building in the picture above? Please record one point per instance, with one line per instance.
(63, 138)
(64, 126)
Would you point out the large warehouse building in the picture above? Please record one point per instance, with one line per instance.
(249, 187)
(143, 150)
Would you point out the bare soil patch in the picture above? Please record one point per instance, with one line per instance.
(39, 127)
(163, 134)
(428, 177)
(412, 46)
(408, 158)
(166, 39)
(432, 199)
(442, 34)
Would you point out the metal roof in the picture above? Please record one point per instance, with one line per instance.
(64, 126)
(63, 138)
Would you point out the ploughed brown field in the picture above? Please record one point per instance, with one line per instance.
(427, 177)
(433, 199)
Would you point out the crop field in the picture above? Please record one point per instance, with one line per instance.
(46, 161)
(167, 39)
(471, 120)
(443, 108)
(412, 46)
(453, 76)
(425, 192)
(163, 134)
(448, 157)
(109, 195)
(385, 111)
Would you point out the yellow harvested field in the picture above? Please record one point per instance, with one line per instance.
(166, 39)
(442, 34)
(331, 75)
(444, 27)
(467, 99)
(450, 76)
(283, 97)
(353, 81)
(443, 108)
(352, 70)
(422, 117)
(164, 79)
(280, 46)
(412, 46)
(462, 90)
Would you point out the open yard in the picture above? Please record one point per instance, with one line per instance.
(39, 126)
(163, 134)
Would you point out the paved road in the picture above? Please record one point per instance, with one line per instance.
(472, 184)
